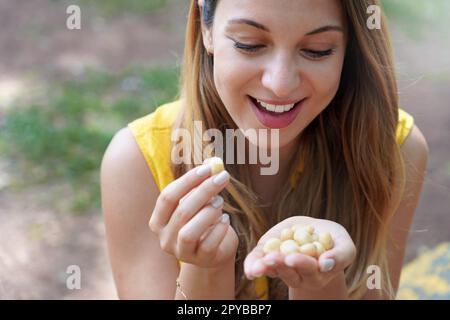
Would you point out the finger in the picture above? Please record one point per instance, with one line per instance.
(271, 270)
(289, 276)
(303, 264)
(252, 257)
(258, 269)
(170, 196)
(198, 198)
(308, 269)
(339, 257)
(189, 235)
(185, 196)
(208, 248)
(272, 273)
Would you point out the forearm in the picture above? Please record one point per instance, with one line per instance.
(206, 283)
(335, 290)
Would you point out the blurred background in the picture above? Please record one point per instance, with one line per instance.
(64, 93)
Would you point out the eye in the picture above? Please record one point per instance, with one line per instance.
(311, 54)
(247, 47)
(316, 55)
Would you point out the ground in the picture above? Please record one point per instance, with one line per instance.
(38, 240)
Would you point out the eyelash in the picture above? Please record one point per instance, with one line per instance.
(315, 55)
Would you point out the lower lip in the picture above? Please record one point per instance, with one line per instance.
(275, 120)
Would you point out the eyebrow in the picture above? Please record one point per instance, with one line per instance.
(264, 28)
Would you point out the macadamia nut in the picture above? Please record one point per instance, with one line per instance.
(302, 236)
(308, 249)
(297, 226)
(300, 239)
(216, 164)
(272, 245)
(287, 234)
(288, 247)
(319, 248)
(326, 240)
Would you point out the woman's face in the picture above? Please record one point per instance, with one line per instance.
(279, 52)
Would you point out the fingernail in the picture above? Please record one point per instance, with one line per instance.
(217, 202)
(258, 269)
(270, 259)
(203, 170)
(289, 261)
(328, 265)
(221, 178)
(225, 218)
(258, 273)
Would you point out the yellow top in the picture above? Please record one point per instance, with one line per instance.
(153, 136)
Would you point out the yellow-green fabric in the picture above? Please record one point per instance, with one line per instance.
(153, 136)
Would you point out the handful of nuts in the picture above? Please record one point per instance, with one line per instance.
(300, 239)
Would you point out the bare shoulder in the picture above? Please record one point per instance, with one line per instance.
(415, 156)
(123, 150)
(129, 194)
(415, 149)
(125, 177)
(124, 165)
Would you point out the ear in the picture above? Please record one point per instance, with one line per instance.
(206, 32)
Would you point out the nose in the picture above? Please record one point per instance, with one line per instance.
(282, 76)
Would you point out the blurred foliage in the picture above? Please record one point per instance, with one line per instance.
(114, 7)
(109, 8)
(66, 138)
(415, 16)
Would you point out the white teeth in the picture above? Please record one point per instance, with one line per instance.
(287, 108)
(275, 108)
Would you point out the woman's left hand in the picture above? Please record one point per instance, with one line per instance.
(299, 270)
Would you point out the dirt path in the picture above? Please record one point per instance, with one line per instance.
(38, 241)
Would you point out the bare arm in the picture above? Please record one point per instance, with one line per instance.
(144, 263)
(415, 155)
(140, 268)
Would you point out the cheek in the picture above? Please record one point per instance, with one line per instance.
(231, 73)
(231, 76)
(325, 81)
(226, 79)
(322, 81)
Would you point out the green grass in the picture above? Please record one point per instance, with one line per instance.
(64, 140)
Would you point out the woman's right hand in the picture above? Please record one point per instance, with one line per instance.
(189, 222)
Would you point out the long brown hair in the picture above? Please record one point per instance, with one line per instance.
(356, 174)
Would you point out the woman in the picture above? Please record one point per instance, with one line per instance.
(350, 161)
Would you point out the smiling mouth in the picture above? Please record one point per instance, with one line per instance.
(275, 110)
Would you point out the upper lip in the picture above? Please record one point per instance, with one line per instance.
(278, 103)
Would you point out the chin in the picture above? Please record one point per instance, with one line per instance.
(272, 140)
